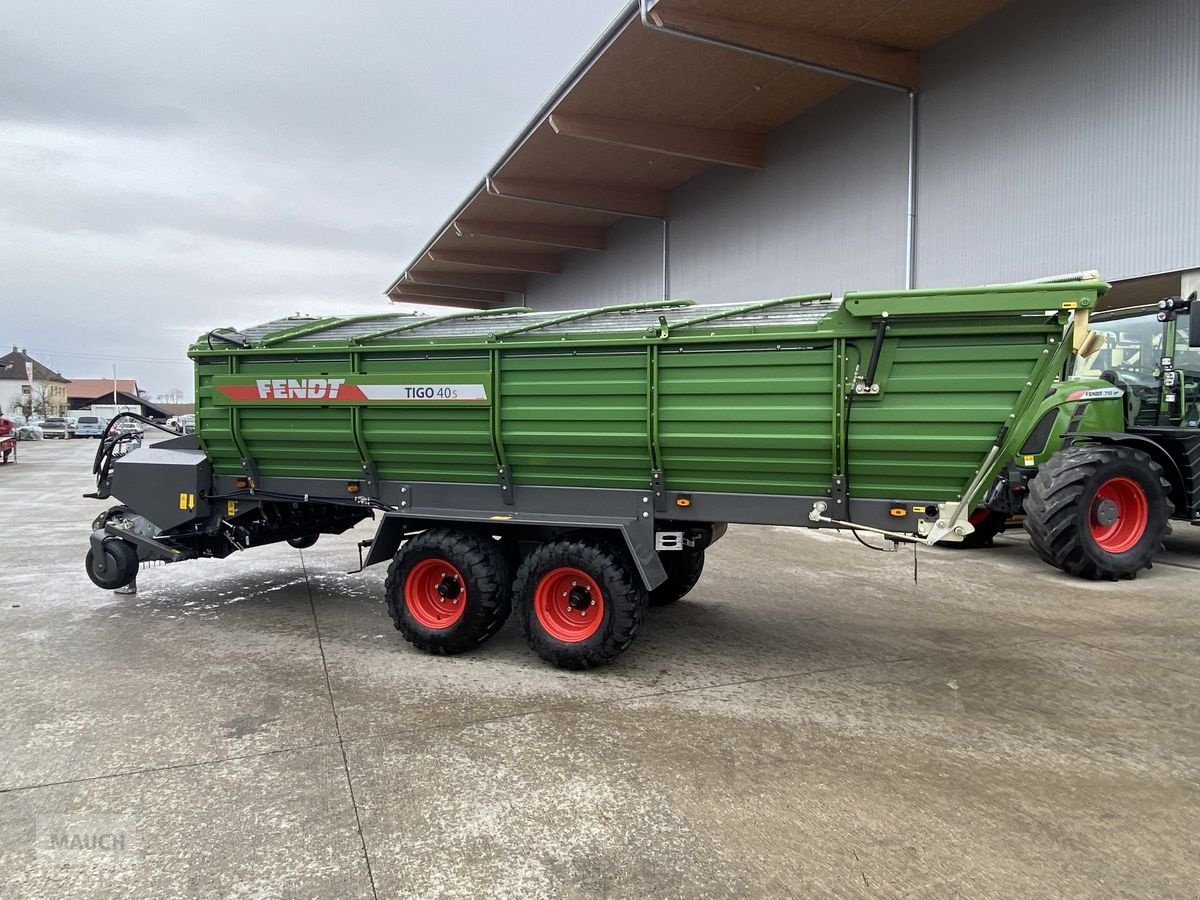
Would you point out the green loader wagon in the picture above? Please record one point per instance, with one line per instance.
(574, 466)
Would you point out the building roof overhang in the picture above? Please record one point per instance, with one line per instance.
(670, 90)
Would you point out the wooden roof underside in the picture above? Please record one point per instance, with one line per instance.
(652, 109)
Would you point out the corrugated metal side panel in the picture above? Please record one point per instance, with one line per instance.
(944, 400)
(755, 421)
(576, 420)
(1060, 136)
(314, 441)
(827, 213)
(431, 443)
(213, 422)
(629, 271)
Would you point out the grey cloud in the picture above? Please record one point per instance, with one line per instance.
(225, 162)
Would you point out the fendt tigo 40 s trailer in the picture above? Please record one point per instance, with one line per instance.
(574, 466)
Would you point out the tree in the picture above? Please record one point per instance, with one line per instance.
(42, 399)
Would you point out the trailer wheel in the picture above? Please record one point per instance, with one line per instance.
(449, 590)
(988, 523)
(683, 571)
(579, 601)
(304, 541)
(1098, 511)
(120, 565)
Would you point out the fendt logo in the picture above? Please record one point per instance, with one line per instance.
(299, 388)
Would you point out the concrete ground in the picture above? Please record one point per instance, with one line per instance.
(809, 722)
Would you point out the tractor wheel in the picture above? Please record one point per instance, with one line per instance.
(988, 523)
(449, 590)
(1098, 511)
(304, 541)
(683, 571)
(120, 565)
(580, 602)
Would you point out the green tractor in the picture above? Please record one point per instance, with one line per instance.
(1113, 452)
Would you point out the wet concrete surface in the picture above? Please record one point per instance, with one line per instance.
(809, 722)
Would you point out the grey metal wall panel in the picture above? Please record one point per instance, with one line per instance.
(1053, 137)
(630, 270)
(827, 213)
(1060, 136)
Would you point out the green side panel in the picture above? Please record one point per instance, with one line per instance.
(752, 421)
(943, 401)
(575, 420)
(313, 442)
(430, 443)
(213, 423)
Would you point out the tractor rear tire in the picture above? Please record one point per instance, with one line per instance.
(1098, 511)
(580, 602)
(449, 590)
(683, 571)
(120, 565)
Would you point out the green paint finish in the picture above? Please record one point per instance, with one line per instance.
(576, 419)
(747, 420)
(754, 399)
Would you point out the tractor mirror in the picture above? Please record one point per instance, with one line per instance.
(1091, 344)
(1194, 322)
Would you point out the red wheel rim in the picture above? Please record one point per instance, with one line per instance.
(435, 593)
(979, 516)
(569, 604)
(1119, 515)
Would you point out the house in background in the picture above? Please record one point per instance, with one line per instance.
(44, 394)
(121, 393)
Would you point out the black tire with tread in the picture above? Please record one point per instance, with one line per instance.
(121, 565)
(1058, 510)
(684, 568)
(984, 533)
(625, 601)
(487, 578)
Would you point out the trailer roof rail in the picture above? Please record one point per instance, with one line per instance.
(324, 324)
(749, 308)
(588, 313)
(433, 320)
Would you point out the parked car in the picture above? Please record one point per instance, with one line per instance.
(72, 424)
(56, 427)
(89, 426)
(130, 426)
(29, 432)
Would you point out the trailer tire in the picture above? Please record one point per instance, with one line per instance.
(121, 565)
(304, 541)
(684, 568)
(561, 584)
(448, 590)
(1098, 511)
(987, 523)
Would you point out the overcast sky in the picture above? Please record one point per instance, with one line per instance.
(167, 168)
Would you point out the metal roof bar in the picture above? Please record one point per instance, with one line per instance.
(324, 324)
(433, 320)
(751, 307)
(586, 313)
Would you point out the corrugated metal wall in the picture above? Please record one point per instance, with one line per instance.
(1053, 137)
(629, 270)
(1059, 136)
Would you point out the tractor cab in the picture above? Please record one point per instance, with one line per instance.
(1153, 352)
